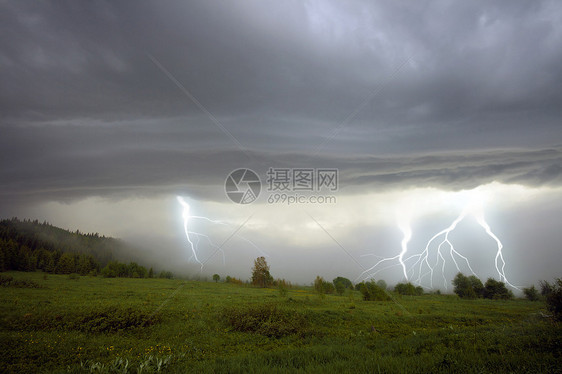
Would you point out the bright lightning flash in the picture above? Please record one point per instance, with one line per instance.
(423, 268)
(193, 238)
(193, 245)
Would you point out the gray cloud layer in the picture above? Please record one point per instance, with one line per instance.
(65, 163)
(431, 93)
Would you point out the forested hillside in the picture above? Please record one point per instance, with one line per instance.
(27, 245)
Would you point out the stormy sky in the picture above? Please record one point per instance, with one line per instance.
(109, 110)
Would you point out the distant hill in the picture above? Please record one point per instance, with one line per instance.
(27, 245)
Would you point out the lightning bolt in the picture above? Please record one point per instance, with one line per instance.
(404, 225)
(186, 219)
(194, 238)
(407, 232)
(499, 255)
(421, 267)
(423, 257)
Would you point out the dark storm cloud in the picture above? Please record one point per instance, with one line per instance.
(85, 111)
(312, 59)
(73, 162)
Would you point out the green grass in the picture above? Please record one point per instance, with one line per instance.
(125, 325)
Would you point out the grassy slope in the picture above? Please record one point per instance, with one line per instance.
(50, 329)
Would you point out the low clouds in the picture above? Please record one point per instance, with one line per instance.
(465, 170)
(73, 162)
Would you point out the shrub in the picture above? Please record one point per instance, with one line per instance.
(114, 319)
(546, 288)
(341, 284)
(283, 286)
(5, 280)
(318, 284)
(9, 281)
(322, 287)
(328, 288)
(408, 289)
(554, 299)
(476, 285)
(494, 289)
(109, 271)
(98, 320)
(266, 319)
(282, 289)
(282, 282)
(531, 293)
(468, 287)
(372, 292)
(340, 288)
(233, 280)
(166, 275)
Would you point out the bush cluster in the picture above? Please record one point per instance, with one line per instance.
(323, 287)
(233, 280)
(371, 291)
(408, 289)
(102, 320)
(267, 319)
(9, 281)
(531, 293)
(341, 284)
(471, 288)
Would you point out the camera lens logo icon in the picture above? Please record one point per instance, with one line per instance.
(242, 186)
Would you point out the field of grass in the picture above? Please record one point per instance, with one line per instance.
(94, 324)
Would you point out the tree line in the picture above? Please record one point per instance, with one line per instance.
(27, 245)
(36, 236)
(470, 287)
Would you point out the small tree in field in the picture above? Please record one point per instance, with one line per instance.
(260, 273)
(216, 277)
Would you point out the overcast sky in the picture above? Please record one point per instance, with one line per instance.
(111, 109)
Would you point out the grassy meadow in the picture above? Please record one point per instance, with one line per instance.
(53, 323)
